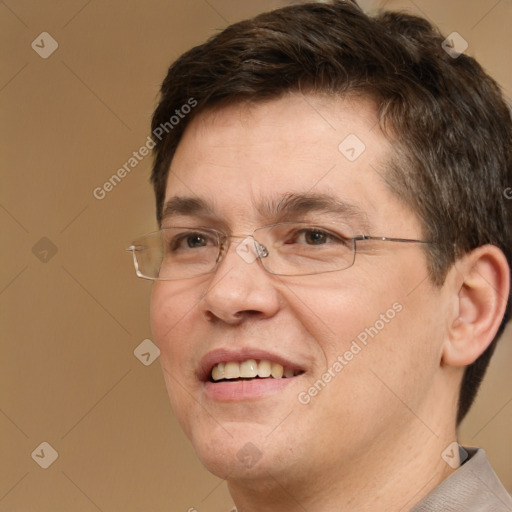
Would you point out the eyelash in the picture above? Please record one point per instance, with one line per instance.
(321, 231)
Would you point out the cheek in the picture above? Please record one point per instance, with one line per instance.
(163, 315)
(173, 310)
(171, 306)
(373, 322)
(335, 308)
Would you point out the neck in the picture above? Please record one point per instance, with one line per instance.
(392, 477)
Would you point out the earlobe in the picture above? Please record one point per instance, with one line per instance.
(481, 283)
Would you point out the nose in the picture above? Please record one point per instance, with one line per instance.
(241, 288)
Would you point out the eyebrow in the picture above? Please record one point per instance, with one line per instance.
(186, 206)
(279, 209)
(291, 206)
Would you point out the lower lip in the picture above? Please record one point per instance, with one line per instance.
(244, 389)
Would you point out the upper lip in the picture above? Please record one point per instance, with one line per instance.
(225, 355)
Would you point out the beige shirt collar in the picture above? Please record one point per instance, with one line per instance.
(474, 487)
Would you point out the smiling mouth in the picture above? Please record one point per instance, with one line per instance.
(251, 369)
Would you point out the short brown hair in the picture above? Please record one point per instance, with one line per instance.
(446, 117)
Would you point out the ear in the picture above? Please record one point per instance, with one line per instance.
(479, 285)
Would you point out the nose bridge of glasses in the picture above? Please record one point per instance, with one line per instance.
(259, 249)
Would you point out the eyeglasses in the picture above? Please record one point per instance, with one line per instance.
(284, 249)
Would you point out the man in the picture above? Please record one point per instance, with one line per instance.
(332, 271)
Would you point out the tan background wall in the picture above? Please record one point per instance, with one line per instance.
(71, 310)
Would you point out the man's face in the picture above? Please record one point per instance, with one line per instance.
(374, 328)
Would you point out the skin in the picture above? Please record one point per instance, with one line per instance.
(372, 439)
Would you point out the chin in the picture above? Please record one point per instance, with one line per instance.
(233, 463)
(240, 454)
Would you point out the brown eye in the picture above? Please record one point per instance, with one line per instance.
(191, 240)
(315, 237)
(196, 240)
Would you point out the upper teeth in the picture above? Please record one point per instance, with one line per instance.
(250, 368)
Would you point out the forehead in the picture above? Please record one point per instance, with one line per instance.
(301, 129)
(239, 158)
